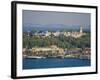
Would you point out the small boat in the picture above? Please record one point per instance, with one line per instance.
(60, 57)
(35, 57)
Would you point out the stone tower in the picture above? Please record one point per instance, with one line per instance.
(81, 30)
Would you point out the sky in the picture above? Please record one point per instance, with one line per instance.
(48, 17)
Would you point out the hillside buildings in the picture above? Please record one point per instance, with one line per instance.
(74, 34)
(54, 51)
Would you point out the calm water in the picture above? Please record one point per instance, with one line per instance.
(54, 63)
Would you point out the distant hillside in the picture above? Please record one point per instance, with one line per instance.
(54, 27)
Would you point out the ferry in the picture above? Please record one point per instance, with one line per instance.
(35, 57)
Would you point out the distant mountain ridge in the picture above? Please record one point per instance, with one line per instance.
(53, 27)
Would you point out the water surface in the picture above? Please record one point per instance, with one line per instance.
(54, 63)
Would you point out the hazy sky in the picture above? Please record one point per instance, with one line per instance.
(44, 18)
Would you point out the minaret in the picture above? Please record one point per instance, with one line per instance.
(81, 31)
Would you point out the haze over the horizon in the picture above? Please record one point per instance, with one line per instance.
(60, 19)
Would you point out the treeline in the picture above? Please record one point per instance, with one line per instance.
(62, 41)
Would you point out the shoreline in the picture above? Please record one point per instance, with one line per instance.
(41, 57)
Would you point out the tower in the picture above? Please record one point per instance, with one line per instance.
(81, 31)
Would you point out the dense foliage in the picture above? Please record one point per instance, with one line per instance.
(62, 41)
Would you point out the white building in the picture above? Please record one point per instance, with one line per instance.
(74, 34)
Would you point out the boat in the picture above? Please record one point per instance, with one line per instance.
(85, 57)
(60, 56)
(35, 57)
